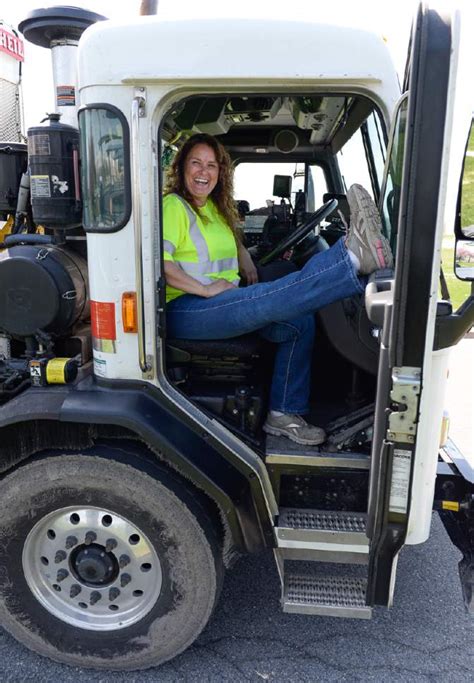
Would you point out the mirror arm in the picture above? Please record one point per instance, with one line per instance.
(449, 329)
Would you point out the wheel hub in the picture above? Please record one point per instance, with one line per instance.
(92, 565)
(92, 568)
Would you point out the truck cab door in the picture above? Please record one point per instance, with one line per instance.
(414, 204)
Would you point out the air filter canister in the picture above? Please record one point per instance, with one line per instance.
(53, 157)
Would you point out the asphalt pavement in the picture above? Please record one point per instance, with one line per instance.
(426, 636)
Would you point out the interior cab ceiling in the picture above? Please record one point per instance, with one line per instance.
(270, 123)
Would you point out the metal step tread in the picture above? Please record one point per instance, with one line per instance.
(326, 595)
(281, 452)
(322, 520)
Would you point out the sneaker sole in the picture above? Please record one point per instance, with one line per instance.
(377, 244)
(303, 442)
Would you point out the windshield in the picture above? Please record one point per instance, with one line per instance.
(253, 182)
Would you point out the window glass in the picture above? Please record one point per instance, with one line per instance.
(253, 182)
(104, 170)
(391, 189)
(317, 187)
(467, 196)
(375, 141)
(352, 162)
(461, 251)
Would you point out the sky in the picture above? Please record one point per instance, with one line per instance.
(389, 18)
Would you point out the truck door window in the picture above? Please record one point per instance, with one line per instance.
(391, 186)
(105, 172)
(376, 149)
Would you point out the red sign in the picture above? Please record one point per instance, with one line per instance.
(11, 44)
(103, 320)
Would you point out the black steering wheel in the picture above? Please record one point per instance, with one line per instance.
(300, 232)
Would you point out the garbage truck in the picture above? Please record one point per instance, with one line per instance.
(134, 468)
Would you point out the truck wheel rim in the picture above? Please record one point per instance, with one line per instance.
(92, 568)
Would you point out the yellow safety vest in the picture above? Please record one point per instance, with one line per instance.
(204, 247)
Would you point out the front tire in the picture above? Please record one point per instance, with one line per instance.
(103, 565)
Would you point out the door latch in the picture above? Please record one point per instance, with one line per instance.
(405, 393)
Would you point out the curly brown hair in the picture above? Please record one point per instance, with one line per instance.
(223, 193)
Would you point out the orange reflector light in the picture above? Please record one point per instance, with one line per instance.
(129, 312)
(443, 439)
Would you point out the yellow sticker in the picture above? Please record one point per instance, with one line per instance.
(450, 505)
(55, 371)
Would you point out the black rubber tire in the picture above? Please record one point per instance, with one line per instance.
(165, 510)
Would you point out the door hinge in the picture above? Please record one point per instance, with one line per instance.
(405, 396)
(140, 95)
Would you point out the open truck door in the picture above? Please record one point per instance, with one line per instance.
(417, 203)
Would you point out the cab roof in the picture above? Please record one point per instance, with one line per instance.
(270, 52)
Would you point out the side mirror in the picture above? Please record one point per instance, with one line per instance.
(282, 186)
(464, 262)
(464, 227)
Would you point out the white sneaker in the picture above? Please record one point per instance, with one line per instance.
(365, 238)
(294, 427)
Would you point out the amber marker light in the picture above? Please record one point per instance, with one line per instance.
(129, 312)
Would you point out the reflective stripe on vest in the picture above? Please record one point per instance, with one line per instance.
(200, 270)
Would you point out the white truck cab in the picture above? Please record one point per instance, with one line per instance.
(135, 466)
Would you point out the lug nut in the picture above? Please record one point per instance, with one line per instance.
(123, 561)
(71, 541)
(110, 544)
(75, 590)
(95, 597)
(90, 537)
(60, 556)
(125, 579)
(113, 594)
(61, 575)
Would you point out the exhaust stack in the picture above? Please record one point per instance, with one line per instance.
(148, 7)
(59, 29)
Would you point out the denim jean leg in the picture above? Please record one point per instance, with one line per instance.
(292, 369)
(327, 277)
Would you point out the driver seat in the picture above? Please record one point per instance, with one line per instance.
(184, 350)
(225, 376)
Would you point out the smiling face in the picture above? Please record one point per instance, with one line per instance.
(201, 172)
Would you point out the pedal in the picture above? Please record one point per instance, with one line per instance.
(326, 596)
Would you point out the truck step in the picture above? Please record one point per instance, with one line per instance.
(285, 454)
(333, 596)
(322, 536)
(322, 525)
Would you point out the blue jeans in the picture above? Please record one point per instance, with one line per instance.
(281, 311)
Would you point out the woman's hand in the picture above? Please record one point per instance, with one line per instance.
(176, 277)
(247, 266)
(217, 287)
